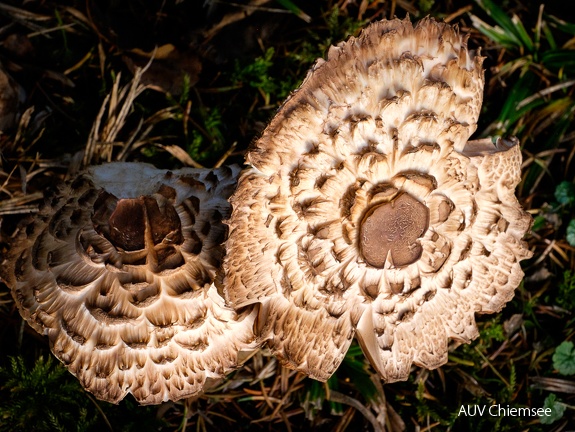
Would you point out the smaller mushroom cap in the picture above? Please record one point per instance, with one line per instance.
(117, 270)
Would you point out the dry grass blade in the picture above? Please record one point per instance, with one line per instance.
(44, 32)
(111, 120)
(180, 154)
(385, 413)
(335, 396)
(554, 384)
(23, 14)
(117, 106)
(544, 93)
(263, 370)
(245, 11)
(140, 136)
(458, 13)
(20, 204)
(22, 126)
(226, 155)
(470, 384)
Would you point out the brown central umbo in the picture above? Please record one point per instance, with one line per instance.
(393, 228)
(125, 221)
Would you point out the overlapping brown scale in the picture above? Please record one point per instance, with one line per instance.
(117, 270)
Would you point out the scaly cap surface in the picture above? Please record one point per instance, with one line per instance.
(365, 212)
(117, 270)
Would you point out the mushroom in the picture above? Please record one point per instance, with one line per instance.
(365, 210)
(117, 270)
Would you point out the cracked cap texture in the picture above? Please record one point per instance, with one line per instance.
(117, 270)
(365, 211)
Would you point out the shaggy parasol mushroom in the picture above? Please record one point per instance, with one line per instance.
(366, 212)
(117, 270)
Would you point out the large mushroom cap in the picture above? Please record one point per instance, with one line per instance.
(365, 211)
(117, 270)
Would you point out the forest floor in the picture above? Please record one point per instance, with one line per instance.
(221, 71)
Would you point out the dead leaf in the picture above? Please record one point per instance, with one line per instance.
(166, 68)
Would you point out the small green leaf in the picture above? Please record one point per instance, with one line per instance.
(295, 10)
(570, 236)
(512, 27)
(557, 410)
(565, 193)
(564, 358)
(523, 88)
(566, 296)
(549, 36)
(558, 58)
(522, 33)
(354, 367)
(561, 25)
(496, 33)
(538, 223)
(314, 398)
(425, 6)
